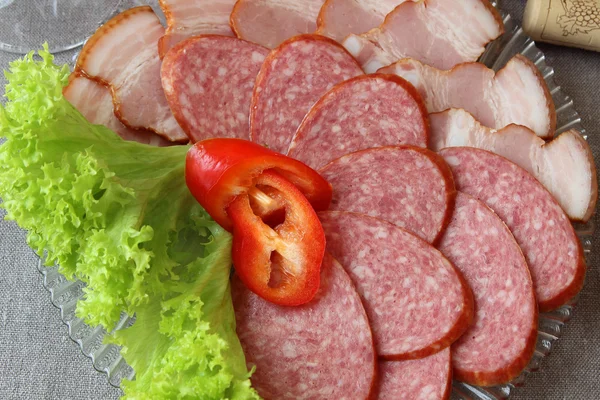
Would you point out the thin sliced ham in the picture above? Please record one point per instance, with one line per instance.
(565, 165)
(517, 94)
(432, 31)
(187, 18)
(339, 18)
(122, 54)
(94, 101)
(270, 22)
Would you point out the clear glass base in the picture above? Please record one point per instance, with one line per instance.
(65, 24)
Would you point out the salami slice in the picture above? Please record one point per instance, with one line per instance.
(425, 379)
(320, 350)
(502, 339)
(416, 301)
(367, 111)
(292, 78)
(208, 81)
(407, 186)
(539, 225)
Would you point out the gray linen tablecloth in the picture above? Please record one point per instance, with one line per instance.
(39, 361)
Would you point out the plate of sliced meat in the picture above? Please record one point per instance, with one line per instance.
(462, 179)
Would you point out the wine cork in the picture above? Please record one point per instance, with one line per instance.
(573, 23)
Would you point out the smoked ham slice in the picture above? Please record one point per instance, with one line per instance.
(319, 350)
(408, 186)
(187, 18)
(517, 94)
(270, 22)
(208, 81)
(339, 18)
(122, 54)
(368, 111)
(441, 33)
(565, 165)
(415, 299)
(540, 227)
(94, 101)
(501, 341)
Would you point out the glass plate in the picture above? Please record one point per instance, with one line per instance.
(107, 358)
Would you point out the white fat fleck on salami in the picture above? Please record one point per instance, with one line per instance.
(208, 81)
(424, 379)
(320, 350)
(369, 111)
(537, 222)
(293, 77)
(501, 341)
(405, 185)
(415, 299)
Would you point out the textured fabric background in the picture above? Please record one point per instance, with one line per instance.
(39, 361)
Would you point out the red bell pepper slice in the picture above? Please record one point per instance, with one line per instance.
(281, 264)
(218, 170)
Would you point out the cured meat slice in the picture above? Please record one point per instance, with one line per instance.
(499, 344)
(320, 350)
(94, 101)
(537, 222)
(408, 186)
(339, 18)
(122, 54)
(565, 165)
(269, 22)
(425, 379)
(367, 111)
(292, 78)
(187, 18)
(517, 94)
(416, 301)
(208, 81)
(432, 31)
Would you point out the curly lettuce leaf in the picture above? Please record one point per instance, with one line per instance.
(118, 216)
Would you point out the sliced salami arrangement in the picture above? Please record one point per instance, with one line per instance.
(495, 99)
(208, 81)
(501, 341)
(416, 301)
(292, 78)
(368, 111)
(408, 186)
(537, 222)
(400, 212)
(300, 354)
